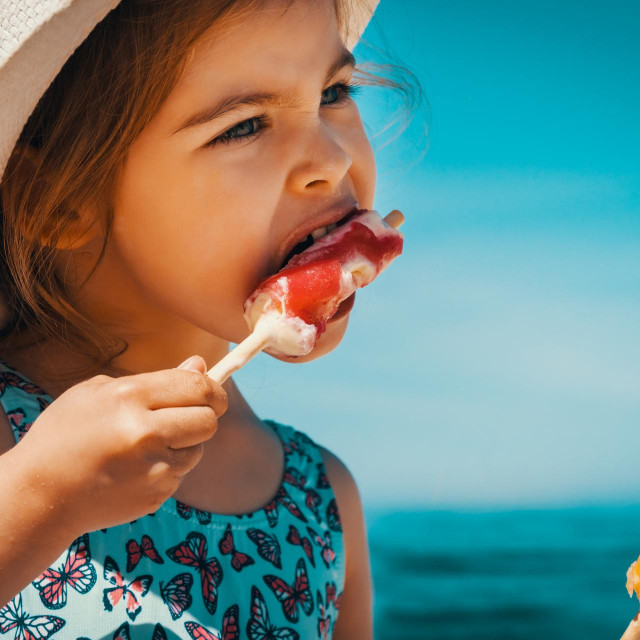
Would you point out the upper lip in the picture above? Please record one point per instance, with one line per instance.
(336, 213)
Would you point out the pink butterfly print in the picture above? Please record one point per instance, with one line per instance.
(8, 379)
(292, 596)
(135, 552)
(324, 621)
(3, 382)
(12, 380)
(198, 632)
(15, 419)
(289, 447)
(331, 595)
(327, 553)
(26, 627)
(284, 499)
(293, 477)
(296, 445)
(268, 546)
(77, 572)
(176, 596)
(333, 517)
(231, 623)
(238, 560)
(122, 632)
(193, 553)
(259, 626)
(159, 633)
(294, 537)
(185, 511)
(322, 481)
(313, 501)
(127, 591)
(230, 628)
(32, 389)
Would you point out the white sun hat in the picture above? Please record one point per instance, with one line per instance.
(38, 36)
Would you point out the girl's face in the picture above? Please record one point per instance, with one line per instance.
(258, 144)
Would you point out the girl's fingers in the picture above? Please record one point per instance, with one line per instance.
(183, 460)
(182, 427)
(176, 388)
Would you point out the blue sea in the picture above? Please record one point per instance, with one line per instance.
(510, 575)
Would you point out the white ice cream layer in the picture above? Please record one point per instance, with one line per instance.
(289, 336)
(267, 313)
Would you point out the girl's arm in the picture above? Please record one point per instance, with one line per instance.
(73, 471)
(32, 536)
(355, 620)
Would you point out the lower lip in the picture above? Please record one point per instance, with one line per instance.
(345, 307)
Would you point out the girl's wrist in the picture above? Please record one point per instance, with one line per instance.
(41, 495)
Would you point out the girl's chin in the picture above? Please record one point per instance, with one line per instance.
(327, 342)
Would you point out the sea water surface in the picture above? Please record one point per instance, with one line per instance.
(508, 575)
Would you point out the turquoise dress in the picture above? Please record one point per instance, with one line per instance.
(275, 573)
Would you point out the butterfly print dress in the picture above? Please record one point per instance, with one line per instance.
(275, 573)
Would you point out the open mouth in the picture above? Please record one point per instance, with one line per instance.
(316, 234)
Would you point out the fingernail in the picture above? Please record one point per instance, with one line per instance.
(188, 363)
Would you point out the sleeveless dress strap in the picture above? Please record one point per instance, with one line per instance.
(22, 400)
(305, 475)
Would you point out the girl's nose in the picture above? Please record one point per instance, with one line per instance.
(323, 163)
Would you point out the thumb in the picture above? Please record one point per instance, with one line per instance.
(194, 363)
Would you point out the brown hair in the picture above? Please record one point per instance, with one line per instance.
(83, 125)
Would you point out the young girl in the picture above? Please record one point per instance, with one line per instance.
(181, 153)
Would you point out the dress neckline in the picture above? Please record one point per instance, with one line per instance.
(251, 518)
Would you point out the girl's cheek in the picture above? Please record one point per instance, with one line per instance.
(363, 169)
(368, 176)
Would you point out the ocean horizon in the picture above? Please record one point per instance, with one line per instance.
(503, 575)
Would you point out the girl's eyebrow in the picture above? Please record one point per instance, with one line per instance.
(345, 59)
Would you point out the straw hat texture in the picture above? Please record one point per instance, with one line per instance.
(38, 36)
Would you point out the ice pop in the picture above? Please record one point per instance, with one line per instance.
(289, 311)
(632, 632)
(633, 579)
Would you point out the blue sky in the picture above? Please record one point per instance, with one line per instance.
(497, 362)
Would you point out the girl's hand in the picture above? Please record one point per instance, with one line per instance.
(110, 450)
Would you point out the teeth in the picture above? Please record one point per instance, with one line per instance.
(320, 232)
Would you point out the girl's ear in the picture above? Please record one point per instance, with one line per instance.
(69, 227)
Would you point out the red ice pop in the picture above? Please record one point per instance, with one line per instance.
(289, 311)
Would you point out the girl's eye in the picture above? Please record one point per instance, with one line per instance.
(241, 131)
(339, 92)
(335, 94)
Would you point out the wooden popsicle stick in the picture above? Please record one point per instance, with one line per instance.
(394, 219)
(239, 356)
(256, 341)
